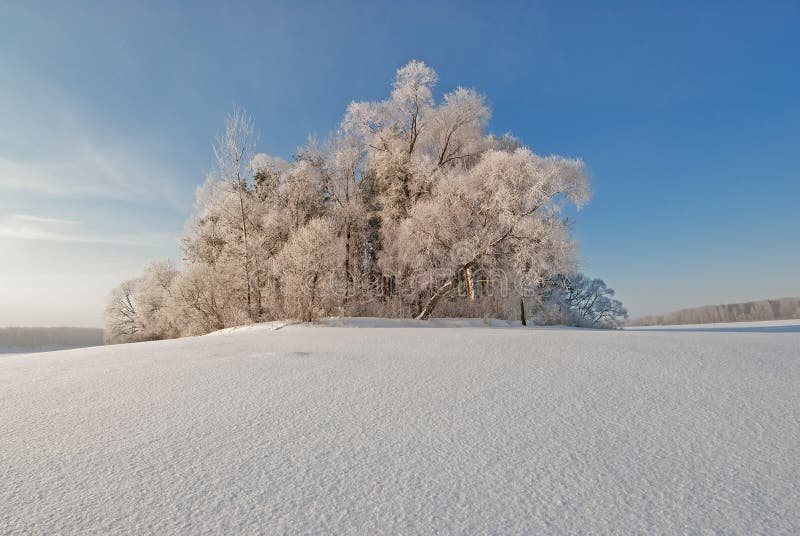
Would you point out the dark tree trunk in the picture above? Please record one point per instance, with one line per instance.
(348, 278)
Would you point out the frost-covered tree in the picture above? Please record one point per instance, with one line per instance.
(121, 317)
(232, 153)
(410, 143)
(140, 309)
(456, 130)
(391, 131)
(214, 245)
(206, 299)
(308, 266)
(338, 162)
(500, 213)
(580, 301)
(154, 298)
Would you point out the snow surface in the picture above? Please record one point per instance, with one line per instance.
(6, 351)
(406, 430)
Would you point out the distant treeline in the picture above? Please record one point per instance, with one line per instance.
(778, 309)
(35, 338)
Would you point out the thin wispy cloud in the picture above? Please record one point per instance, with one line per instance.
(52, 146)
(33, 227)
(41, 219)
(92, 172)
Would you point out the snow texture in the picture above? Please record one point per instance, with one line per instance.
(406, 430)
(5, 351)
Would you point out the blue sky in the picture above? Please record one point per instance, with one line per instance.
(687, 115)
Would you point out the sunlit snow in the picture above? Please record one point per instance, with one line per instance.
(399, 429)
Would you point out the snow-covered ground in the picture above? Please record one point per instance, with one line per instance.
(406, 430)
(6, 351)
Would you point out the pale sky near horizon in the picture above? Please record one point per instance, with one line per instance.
(686, 113)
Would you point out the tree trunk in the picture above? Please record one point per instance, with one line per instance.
(347, 276)
(522, 312)
(440, 292)
(469, 280)
(310, 313)
(444, 289)
(246, 260)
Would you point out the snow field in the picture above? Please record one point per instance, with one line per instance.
(406, 430)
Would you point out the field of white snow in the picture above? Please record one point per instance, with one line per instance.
(403, 430)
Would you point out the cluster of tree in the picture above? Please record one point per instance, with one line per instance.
(41, 338)
(410, 207)
(778, 309)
